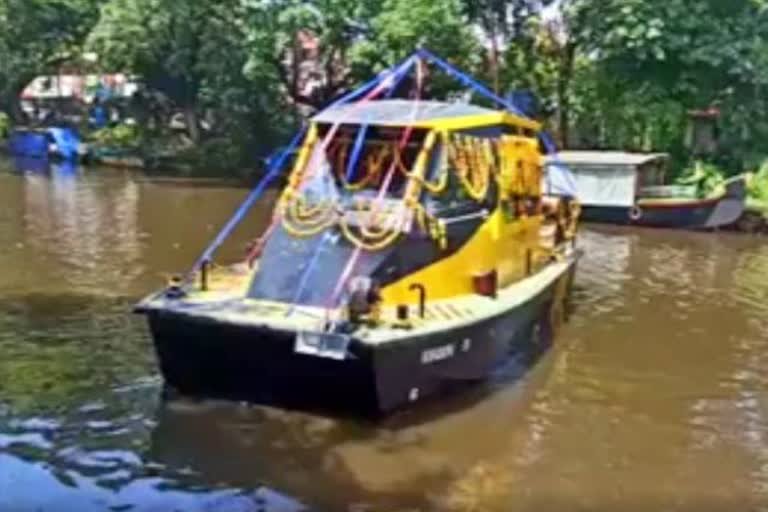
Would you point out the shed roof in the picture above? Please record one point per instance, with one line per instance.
(605, 158)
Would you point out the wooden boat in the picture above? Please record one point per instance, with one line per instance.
(412, 249)
(626, 188)
(117, 157)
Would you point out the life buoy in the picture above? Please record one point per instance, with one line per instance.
(635, 213)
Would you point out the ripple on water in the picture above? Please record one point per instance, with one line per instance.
(654, 394)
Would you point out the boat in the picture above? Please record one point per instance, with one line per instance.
(117, 157)
(58, 142)
(627, 188)
(412, 251)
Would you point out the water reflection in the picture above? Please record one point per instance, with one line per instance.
(94, 230)
(85, 228)
(24, 164)
(403, 463)
(652, 399)
(97, 457)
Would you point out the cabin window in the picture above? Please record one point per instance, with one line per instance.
(361, 158)
(470, 162)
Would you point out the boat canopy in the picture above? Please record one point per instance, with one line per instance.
(610, 178)
(609, 158)
(422, 114)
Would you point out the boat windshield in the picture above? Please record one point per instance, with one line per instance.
(361, 158)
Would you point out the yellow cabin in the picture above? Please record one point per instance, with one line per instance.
(412, 247)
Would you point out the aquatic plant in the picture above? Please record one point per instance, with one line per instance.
(706, 177)
(757, 188)
(5, 125)
(121, 135)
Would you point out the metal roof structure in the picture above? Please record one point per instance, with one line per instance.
(605, 158)
(421, 114)
(398, 112)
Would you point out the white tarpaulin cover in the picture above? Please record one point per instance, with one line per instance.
(605, 185)
(558, 179)
(606, 178)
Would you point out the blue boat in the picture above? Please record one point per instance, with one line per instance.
(60, 142)
(29, 143)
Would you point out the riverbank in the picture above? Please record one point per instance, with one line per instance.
(754, 220)
(204, 161)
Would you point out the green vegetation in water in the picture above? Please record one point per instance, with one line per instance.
(5, 125)
(706, 178)
(122, 136)
(758, 190)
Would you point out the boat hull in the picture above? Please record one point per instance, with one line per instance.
(203, 357)
(681, 217)
(682, 214)
(29, 143)
(53, 142)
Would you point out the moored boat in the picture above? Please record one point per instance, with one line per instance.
(627, 188)
(58, 142)
(411, 250)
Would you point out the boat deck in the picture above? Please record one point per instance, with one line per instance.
(225, 301)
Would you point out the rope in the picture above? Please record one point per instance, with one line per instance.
(273, 171)
(399, 73)
(304, 279)
(356, 150)
(468, 81)
(298, 181)
(344, 277)
(275, 166)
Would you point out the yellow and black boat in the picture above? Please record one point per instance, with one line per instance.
(411, 249)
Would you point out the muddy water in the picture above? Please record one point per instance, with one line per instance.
(654, 398)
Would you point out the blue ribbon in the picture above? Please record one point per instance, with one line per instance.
(275, 166)
(305, 275)
(401, 71)
(371, 84)
(404, 66)
(469, 81)
(274, 169)
(356, 150)
(483, 90)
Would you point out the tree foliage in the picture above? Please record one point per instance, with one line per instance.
(36, 37)
(608, 73)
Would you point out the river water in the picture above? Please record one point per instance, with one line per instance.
(654, 397)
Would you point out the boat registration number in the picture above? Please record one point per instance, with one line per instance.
(436, 354)
(322, 344)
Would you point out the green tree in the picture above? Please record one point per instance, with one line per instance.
(403, 26)
(193, 52)
(354, 40)
(37, 37)
(299, 42)
(508, 27)
(623, 73)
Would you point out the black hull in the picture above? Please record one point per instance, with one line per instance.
(683, 217)
(685, 214)
(202, 357)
